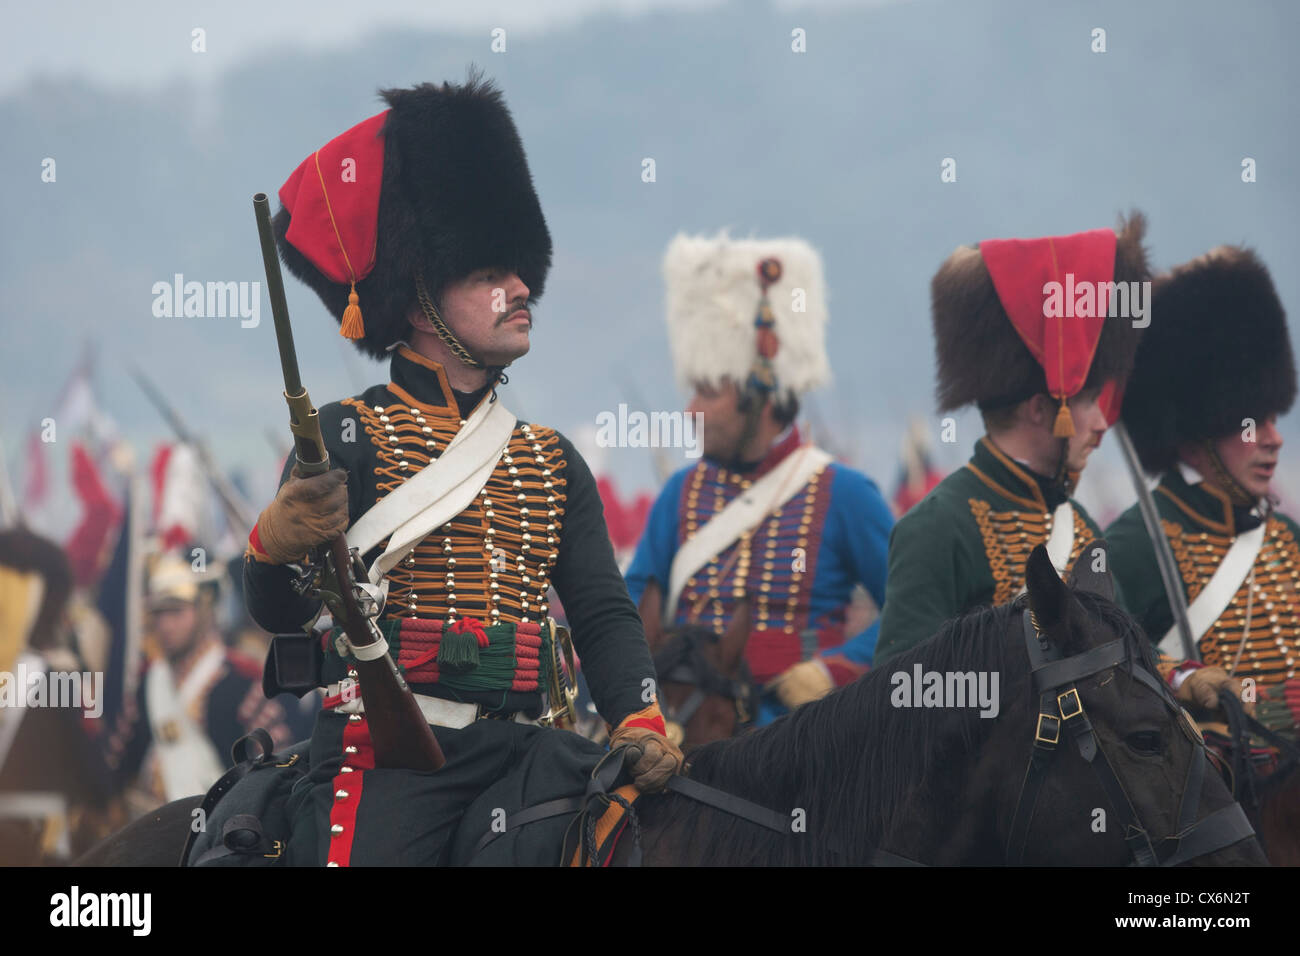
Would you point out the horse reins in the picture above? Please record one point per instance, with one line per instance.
(1060, 706)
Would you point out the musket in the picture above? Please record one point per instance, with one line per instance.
(1160, 544)
(238, 515)
(398, 731)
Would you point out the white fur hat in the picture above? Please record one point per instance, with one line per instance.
(714, 294)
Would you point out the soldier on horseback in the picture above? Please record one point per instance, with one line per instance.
(421, 228)
(1214, 372)
(766, 530)
(1046, 388)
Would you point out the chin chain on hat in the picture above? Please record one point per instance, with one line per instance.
(439, 326)
(1236, 493)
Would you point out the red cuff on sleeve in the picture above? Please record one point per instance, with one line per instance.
(1181, 668)
(255, 549)
(649, 718)
(842, 670)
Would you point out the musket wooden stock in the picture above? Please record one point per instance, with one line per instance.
(398, 731)
(401, 737)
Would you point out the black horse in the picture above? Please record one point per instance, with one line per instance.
(864, 780)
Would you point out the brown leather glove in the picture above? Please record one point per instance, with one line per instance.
(1201, 687)
(306, 512)
(803, 682)
(652, 758)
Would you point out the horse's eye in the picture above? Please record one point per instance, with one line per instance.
(1149, 743)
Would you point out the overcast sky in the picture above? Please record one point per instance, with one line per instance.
(136, 44)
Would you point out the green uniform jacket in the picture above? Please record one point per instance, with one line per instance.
(1201, 524)
(966, 544)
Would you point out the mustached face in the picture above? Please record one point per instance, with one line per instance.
(488, 312)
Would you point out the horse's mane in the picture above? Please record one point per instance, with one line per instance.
(854, 763)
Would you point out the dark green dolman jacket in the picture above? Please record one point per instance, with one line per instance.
(966, 544)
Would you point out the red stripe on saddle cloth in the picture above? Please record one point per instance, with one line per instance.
(769, 652)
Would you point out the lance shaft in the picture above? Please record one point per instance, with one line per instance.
(1164, 555)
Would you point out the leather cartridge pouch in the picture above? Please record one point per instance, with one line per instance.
(293, 665)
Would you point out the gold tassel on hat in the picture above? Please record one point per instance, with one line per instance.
(1064, 427)
(352, 327)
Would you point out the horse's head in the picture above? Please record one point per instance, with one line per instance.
(1108, 768)
(706, 690)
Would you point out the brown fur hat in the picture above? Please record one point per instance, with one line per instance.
(980, 356)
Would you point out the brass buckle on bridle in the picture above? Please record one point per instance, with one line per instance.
(1055, 727)
(1073, 695)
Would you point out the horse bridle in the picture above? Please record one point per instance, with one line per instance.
(1060, 707)
(681, 662)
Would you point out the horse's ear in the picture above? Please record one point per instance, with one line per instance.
(1047, 592)
(1091, 571)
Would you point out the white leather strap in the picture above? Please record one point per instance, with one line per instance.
(742, 514)
(1061, 541)
(436, 710)
(1219, 590)
(441, 490)
(371, 652)
(32, 805)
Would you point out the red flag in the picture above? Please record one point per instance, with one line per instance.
(88, 545)
(625, 521)
(180, 495)
(37, 488)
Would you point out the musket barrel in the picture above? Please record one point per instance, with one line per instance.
(303, 419)
(275, 289)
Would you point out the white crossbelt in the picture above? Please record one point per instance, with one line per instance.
(1218, 592)
(437, 711)
(441, 490)
(741, 515)
(1060, 542)
(187, 758)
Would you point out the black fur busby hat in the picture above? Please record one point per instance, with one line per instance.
(454, 195)
(982, 359)
(1217, 351)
